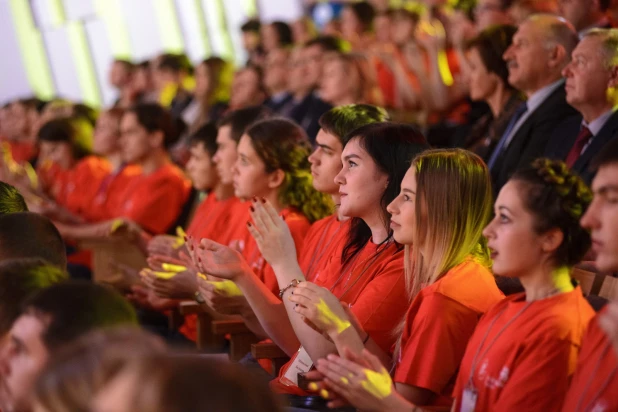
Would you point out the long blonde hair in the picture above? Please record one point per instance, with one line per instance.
(456, 183)
(453, 205)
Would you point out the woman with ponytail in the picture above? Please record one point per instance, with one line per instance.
(444, 203)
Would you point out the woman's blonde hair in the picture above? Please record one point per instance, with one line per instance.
(456, 183)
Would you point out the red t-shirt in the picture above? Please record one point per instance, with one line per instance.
(154, 201)
(110, 192)
(298, 224)
(78, 186)
(211, 221)
(595, 384)
(325, 239)
(529, 364)
(373, 283)
(439, 325)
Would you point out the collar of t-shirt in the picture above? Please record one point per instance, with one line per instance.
(534, 101)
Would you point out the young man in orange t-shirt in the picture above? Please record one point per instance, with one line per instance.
(594, 384)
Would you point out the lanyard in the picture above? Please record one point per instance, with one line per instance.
(592, 375)
(506, 325)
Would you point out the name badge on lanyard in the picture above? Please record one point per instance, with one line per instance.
(301, 363)
(468, 399)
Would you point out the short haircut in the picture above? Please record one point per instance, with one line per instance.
(207, 135)
(364, 12)
(609, 44)
(284, 33)
(240, 120)
(30, 235)
(19, 279)
(126, 64)
(328, 44)
(75, 131)
(251, 26)
(11, 201)
(557, 30)
(607, 156)
(342, 120)
(153, 117)
(491, 44)
(74, 308)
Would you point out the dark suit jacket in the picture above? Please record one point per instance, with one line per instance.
(563, 139)
(307, 113)
(530, 141)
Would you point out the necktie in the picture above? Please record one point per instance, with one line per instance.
(583, 138)
(509, 128)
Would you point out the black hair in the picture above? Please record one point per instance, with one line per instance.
(175, 63)
(75, 307)
(76, 131)
(364, 12)
(491, 44)
(11, 200)
(239, 120)
(207, 135)
(284, 33)
(604, 5)
(392, 146)
(341, 120)
(153, 118)
(558, 198)
(252, 25)
(19, 279)
(85, 112)
(328, 44)
(28, 235)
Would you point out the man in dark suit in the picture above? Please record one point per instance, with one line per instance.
(541, 49)
(592, 71)
(586, 14)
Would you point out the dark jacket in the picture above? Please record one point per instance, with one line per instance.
(563, 139)
(531, 139)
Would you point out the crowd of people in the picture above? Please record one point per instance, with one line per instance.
(396, 200)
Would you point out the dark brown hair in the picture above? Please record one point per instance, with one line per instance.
(491, 44)
(558, 198)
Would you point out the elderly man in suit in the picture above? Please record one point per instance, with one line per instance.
(592, 78)
(541, 49)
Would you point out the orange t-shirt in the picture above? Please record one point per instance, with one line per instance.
(595, 384)
(211, 220)
(527, 366)
(325, 239)
(78, 186)
(154, 201)
(373, 283)
(110, 194)
(439, 325)
(22, 151)
(298, 224)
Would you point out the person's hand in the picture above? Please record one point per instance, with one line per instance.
(318, 386)
(271, 234)
(165, 245)
(431, 35)
(609, 323)
(221, 261)
(360, 380)
(171, 285)
(161, 263)
(221, 298)
(320, 308)
(146, 298)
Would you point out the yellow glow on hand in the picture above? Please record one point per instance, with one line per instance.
(324, 393)
(379, 385)
(445, 70)
(313, 386)
(344, 380)
(180, 241)
(168, 267)
(226, 288)
(203, 276)
(116, 224)
(327, 317)
(164, 275)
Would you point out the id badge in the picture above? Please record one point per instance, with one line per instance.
(301, 363)
(468, 400)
